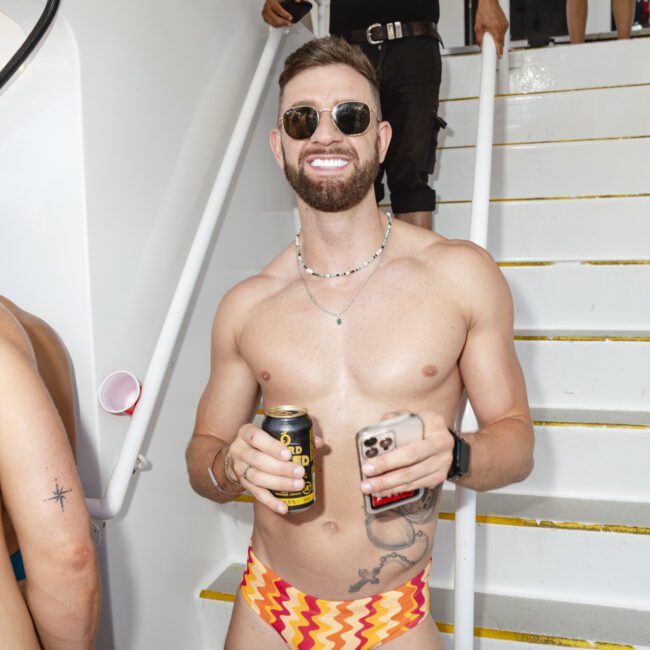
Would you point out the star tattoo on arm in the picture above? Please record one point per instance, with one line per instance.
(59, 494)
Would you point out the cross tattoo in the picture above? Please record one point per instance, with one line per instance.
(366, 576)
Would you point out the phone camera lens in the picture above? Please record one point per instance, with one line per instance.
(370, 442)
(371, 453)
(386, 443)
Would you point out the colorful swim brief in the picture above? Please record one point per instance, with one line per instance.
(309, 623)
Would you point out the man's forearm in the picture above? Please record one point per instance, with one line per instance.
(209, 453)
(501, 453)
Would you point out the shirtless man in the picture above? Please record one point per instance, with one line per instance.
(423, 319)
(44, 516)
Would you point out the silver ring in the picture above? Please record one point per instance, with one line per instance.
(246, 472)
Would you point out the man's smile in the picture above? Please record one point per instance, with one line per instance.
(329, 163)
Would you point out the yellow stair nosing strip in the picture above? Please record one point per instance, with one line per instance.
(547, 92)
(604, 425)
(520, 263)
(578, 197)
(488, 633)
(586, 339)
(562, 141)
(208, 594)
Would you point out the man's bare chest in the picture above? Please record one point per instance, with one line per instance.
(390, 342)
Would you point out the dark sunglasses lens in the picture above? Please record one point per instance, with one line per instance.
(301, 122)
(352, 118)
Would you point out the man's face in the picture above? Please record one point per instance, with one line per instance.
(330, 171)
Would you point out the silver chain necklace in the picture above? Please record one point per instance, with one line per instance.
(339, 314)
(342, 274)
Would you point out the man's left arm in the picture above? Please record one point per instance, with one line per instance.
(490, 18)
(502, 449)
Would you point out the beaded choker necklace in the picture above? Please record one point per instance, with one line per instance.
(372, 258)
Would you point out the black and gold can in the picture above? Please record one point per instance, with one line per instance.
(292, 426)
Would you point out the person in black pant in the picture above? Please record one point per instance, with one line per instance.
(402, 42)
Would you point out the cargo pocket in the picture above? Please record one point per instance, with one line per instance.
(429, 160)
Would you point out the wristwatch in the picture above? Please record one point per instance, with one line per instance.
(460, 462)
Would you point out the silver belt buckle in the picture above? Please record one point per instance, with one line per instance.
(369, 38)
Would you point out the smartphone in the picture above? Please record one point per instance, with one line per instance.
(298, 10)
(380, 438)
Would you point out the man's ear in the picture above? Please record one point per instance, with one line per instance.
(275, 140)
(384, 134)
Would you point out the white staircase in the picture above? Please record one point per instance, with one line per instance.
(562, 558)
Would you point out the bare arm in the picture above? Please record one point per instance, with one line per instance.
(45, 501)
(502, 449)
(223, 427)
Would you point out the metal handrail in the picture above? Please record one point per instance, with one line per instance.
(465, 533)
(161, 360)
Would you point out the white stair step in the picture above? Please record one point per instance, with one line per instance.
(574, 229)
(622, 112)
(568, 624)
(518, 622)
(589, 462)
(612, 63)
(586, 375)
(574, 296)
(581, 566)
(559, 513)
(591, 417)
(579, 169)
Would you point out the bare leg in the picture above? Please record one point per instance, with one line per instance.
(247, 631)
(576, 17)
(422, 219)
(623, 16)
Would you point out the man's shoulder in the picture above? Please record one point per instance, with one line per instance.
(240, 300)
(13, 337)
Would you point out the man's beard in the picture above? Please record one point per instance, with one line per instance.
(329, 195)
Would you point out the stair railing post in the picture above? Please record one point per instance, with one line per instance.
(465, 524)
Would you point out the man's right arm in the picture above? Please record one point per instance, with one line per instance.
(223, 428)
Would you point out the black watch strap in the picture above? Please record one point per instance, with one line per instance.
(460, 462)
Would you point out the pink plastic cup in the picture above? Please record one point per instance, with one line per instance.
(120, 392)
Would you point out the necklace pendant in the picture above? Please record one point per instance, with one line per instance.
(338, 320)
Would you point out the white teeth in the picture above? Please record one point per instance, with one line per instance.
(328, 162)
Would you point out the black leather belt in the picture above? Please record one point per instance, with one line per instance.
(378, 33)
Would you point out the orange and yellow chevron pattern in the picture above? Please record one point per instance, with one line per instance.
(309, 623)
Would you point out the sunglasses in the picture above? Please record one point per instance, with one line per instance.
(350, 118)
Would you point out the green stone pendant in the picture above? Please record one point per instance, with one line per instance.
(338, 320)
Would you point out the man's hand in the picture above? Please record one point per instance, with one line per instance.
(490, 18)
(263, 463)
(421, 464)
(275, 15)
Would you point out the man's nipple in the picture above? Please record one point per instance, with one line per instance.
(266, 376)
(430, 371)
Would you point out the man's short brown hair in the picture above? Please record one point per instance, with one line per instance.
(330, 50)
